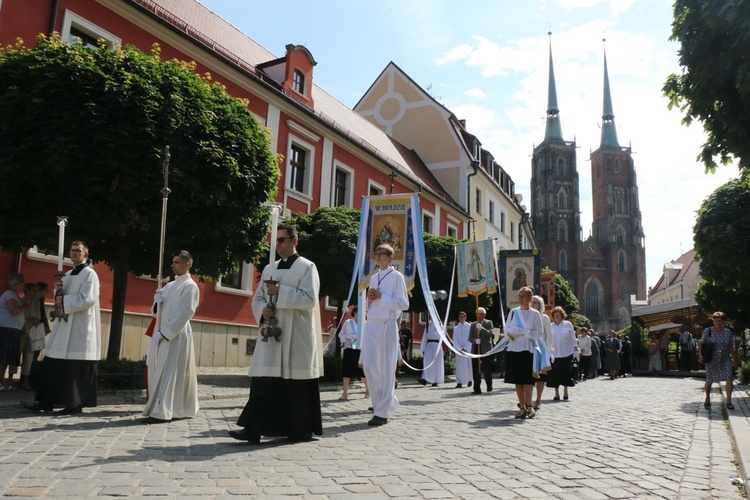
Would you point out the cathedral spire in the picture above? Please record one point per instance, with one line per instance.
(609, 132)
(554, 129)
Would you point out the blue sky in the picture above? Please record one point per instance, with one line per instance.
(487, 62)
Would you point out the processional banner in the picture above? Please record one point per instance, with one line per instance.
(476, 268)
(388, 220)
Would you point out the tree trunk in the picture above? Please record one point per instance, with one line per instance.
(119, 289)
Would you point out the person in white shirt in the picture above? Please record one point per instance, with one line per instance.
(386, 298)
(432, 353)
(584, 343)
(522, 325)
(461, 343)
(564, 344)
(537, 302)
(350, 340)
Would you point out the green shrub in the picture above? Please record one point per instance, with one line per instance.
(743, 373)
(122, 374)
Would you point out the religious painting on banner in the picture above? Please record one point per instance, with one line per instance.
(389, 222)
(476, 268)
(518, 268)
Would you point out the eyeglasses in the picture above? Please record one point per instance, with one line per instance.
(282, 239)
(75, 250)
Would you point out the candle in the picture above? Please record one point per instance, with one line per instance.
(62, 221)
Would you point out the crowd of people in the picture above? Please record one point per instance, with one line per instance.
(537, 350)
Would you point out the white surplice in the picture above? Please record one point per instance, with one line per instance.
(432, 350)
(172, 378)
(298, 355)
(461, 342)
(80, 337)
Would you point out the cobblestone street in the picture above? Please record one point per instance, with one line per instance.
(629, 438)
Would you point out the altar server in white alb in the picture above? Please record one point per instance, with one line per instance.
(461, 343)
(432, 352)
(70, 370)
(284, 390)
(386, 298)
(172, 379)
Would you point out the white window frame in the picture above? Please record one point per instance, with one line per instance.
(502, 222)
(430, 216)
(451, 228)
(478, 204)
(372, 184)
(309, 166)
(303, 91)
(349, 201)
(491, 211)
(246, 282)
(73, 20)
(512, 231)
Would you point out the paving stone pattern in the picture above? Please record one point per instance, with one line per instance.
(629, 438)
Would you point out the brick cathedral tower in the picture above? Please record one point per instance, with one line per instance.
(614, 255)
(555, 212)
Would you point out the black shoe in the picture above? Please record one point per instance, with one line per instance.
(434, 385)
(468, 385)
(245, 435)
(422, 381)
(38, 406)
(476, 392)
(298, 439)
(459, 386)
(489, 389)
(369, 408)
(70, 411)
(377, 421)
(153, 420)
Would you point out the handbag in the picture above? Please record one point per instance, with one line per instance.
(708, 349)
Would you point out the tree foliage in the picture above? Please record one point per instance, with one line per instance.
(714, 86)
(82, 134)
(722, 242)
(564, 296)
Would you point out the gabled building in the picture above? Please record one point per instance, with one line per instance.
(679, 281)
(331, 154)
(469, 173)
(610, 265)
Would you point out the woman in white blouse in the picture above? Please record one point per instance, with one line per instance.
(564, 344)
(523, 324)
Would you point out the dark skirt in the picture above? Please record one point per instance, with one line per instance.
(518, 368)
(282, 407)
(71, 383)
(560, 374)
(10, 346)
(351, 367)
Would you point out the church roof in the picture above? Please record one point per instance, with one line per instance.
(682, 264)
(609, 131)
(197, 22)
(554, 128)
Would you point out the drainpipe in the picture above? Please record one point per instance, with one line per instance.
(475, 167)
(53, 16)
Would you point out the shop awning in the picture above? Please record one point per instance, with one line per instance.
(682, 312)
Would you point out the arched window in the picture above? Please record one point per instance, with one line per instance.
(563, 261)
(562, 231)
(621, 262)
(561, 200)
(617, 166)
(560, 167)
(592, 299)
(620, 235)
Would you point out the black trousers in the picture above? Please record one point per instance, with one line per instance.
(486, 371)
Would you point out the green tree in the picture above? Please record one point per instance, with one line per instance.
(82, 134)
(722, 242)
(564, 296)
(714, 86)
